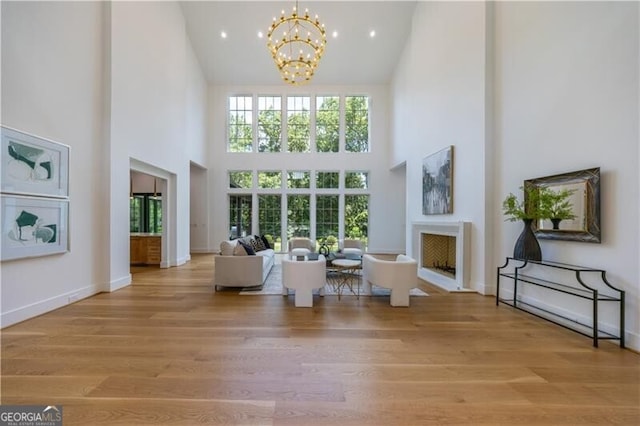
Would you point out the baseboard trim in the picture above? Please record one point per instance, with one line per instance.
(120, 283)
(42, 307)
(202, 250)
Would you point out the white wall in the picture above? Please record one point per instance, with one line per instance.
(560, 94)
(84, 74)
(158, 110)
(439, 100)
(52, 76)
(199, 220)
(567, 99)
(386, 220)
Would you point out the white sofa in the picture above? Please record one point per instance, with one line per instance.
(399, 275)
(303, 276)
(234, 268)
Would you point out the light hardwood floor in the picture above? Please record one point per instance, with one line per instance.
(168, 350)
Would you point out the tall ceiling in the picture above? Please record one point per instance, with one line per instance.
(351, 58)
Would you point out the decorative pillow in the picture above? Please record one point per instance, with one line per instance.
(259, 243)
(253, 243)
(227, 247)
(239, 250)
(264, 239)
(247, 247)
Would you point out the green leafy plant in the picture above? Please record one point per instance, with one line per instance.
(529, 208)
(538, 203)
(557, 204)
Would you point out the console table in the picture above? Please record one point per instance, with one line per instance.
(530, 273)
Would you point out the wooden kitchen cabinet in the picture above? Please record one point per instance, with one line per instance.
(145, 249)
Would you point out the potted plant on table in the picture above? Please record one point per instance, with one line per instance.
(530, 209)
(539, 203)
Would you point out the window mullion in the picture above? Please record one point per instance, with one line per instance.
(254, 124)
(342, 127)
(312, 124)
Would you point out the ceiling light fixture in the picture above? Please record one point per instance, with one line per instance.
(296, 44)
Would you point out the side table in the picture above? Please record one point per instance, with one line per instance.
(345, 273)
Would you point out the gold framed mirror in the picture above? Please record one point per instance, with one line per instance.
(583, 187)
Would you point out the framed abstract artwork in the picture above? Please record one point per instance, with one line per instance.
(437, 182)
(33, 226)
(33, 165)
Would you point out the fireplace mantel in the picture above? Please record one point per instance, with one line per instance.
(462, 232)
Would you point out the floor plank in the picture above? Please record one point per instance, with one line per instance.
(170, 350)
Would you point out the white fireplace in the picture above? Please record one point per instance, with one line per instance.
(442, 252)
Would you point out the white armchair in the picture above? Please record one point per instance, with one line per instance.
(301, 246)
(399, 275)
(304, 276)
(351, 246)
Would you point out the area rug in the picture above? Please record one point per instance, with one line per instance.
(273, 285)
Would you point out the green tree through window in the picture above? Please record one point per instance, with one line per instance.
(269, 123)
(298, 212)
(356, 216)
(357, 123)
(327, 123)
(298, 122)
(327, 216)
(240, 124)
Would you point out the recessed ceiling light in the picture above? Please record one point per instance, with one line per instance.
(260, 34)
(223, 34)
(372, 33)
(334, 34)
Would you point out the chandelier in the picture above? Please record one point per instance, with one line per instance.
(296, 44)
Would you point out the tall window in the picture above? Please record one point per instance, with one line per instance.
(298, 218)
(240, 179)
(298, 179)
(328, 180)
(154, 214)
(327, 123)
(356, 180)
(145, 213)
(269, 123)
(298, 123)
(136, 216)
(356, 216)
(357, 123)
(240, 124)
(239, 215)
(327, 215)
(269, 218)
(276, 192)
(269, 180)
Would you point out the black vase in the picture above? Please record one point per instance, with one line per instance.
(556, 222)
(527, 246)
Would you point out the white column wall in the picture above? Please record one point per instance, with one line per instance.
(561, 94)
(84, 74)
(567, 99)
(439, 100)
(52, 77)
(157, 118)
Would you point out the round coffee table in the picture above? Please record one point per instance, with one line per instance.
(345, 273)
